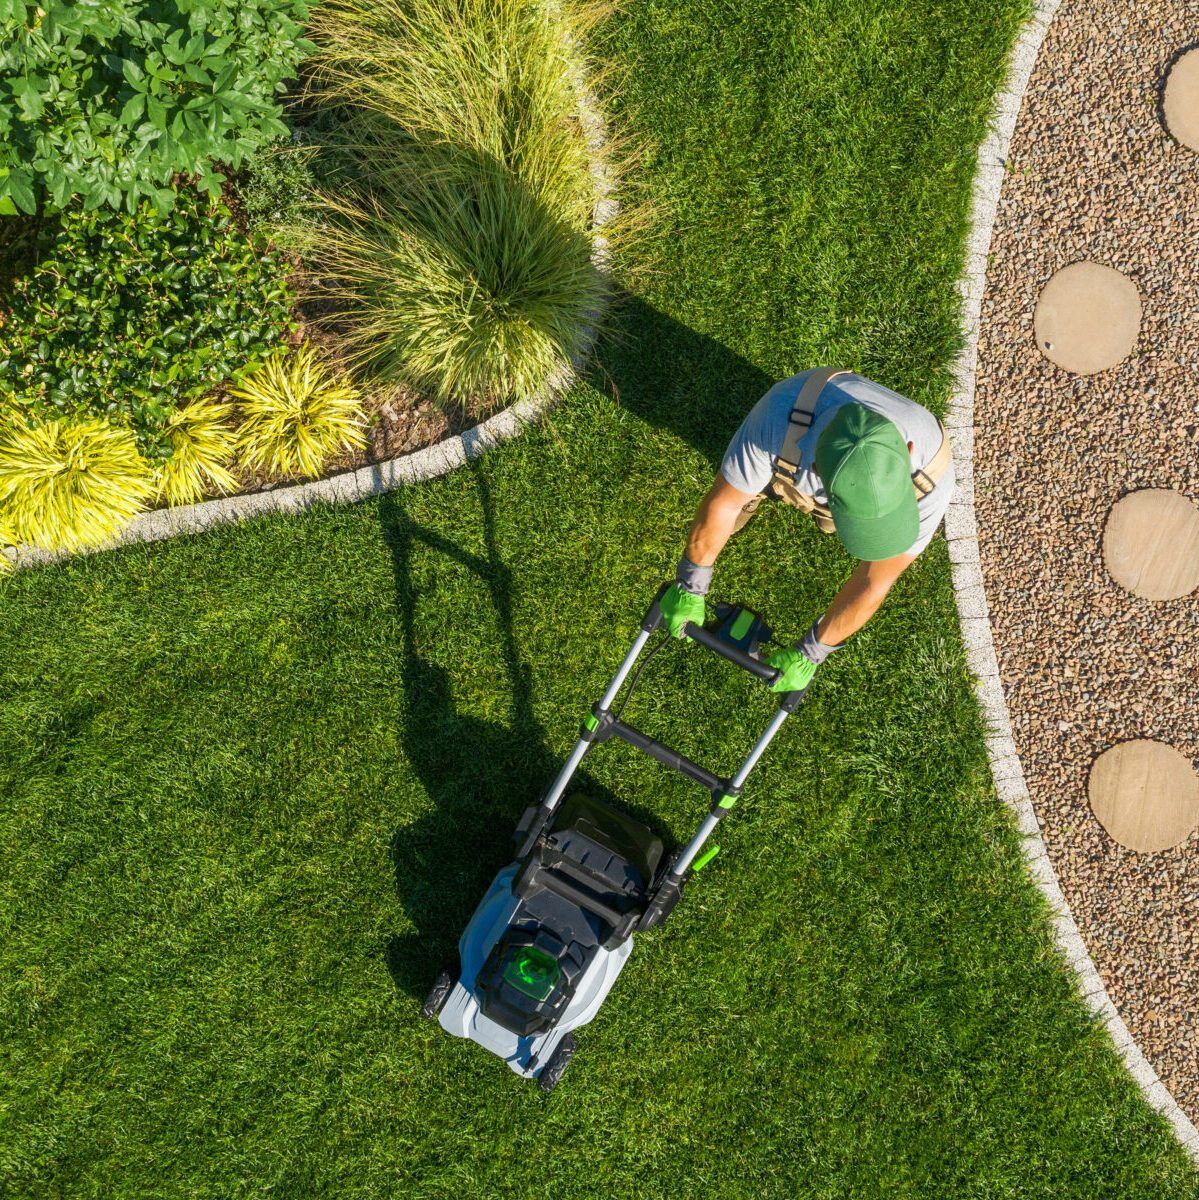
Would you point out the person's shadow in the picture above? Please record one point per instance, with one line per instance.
(479, 775)
(675, 378)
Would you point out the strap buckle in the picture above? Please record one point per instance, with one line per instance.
(923, 483)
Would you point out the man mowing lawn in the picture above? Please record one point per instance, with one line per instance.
(866, 462)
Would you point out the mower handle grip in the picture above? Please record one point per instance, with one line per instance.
(697, 633)
(760, 670)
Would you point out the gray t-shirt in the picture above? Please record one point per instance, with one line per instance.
(749, 461)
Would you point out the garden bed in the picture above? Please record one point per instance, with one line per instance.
(398, 420)
(441, 269)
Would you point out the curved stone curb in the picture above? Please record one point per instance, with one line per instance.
(961, 533)
(416, 467)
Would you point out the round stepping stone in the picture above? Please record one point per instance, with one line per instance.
(1087, 318)
(1145, 795)
(1180, 103)
(1151, 544)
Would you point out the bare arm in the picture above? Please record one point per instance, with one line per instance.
(859, 597)
(713, 522)
(856, 602)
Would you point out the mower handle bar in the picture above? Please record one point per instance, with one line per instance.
(652, 621)
(576, 895)
(760, 670)
(697, 633)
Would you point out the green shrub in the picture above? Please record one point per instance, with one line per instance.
(107, 99)
(66, 484)
(128, 317)
(459, 235)
(278, 186)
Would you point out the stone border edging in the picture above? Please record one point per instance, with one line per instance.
(961, 534)
(416, 467)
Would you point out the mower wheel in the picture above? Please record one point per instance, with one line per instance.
(439, 993)
(559, 1060)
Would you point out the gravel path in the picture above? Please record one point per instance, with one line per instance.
(1093, 175)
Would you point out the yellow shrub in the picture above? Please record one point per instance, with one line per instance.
(66, 484)
(295, 416)
(202, 442)
(8, 537)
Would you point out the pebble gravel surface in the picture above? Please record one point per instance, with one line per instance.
(1093, 175)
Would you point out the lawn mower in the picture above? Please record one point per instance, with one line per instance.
(555, 928)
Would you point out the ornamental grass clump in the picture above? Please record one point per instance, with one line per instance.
(201, 441)
(496, 78)
(460, 239)
(485, 309)
(67, 484)
(296, 415)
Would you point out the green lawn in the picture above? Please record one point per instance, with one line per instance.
(254, 782)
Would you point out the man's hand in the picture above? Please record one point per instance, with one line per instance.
(799, 662)
(798, 670)
(678, 607)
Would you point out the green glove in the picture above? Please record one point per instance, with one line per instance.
(678, 607)
(798, 670)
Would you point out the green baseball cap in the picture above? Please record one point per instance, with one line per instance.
(866, 469)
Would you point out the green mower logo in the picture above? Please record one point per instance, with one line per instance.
(533, 972)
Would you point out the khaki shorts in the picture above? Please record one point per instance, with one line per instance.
(820, 514)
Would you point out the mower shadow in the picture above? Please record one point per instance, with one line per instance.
(479, 775)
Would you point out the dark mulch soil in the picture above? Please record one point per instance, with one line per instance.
(18, 246)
